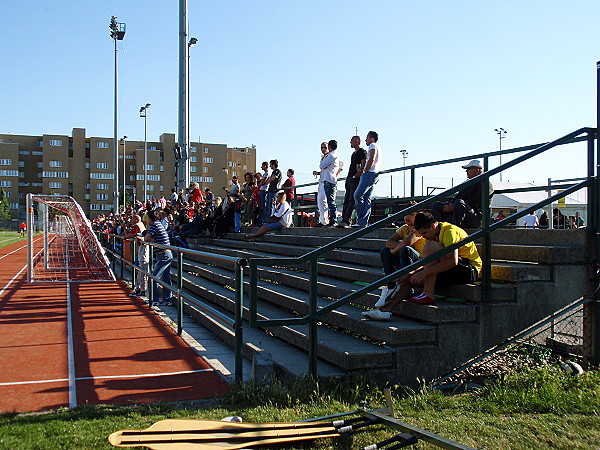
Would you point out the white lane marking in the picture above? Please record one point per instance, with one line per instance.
(7, 285)
(108, 377)
(71, 353)
(20, 248)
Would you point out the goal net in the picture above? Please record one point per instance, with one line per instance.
(67, 249)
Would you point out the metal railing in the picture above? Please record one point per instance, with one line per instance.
(117, 253)
(311, 258)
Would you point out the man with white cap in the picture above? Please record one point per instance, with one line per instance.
(464, 210)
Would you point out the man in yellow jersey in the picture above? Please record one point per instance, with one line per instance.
(461, 266)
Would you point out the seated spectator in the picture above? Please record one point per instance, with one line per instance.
(194, 228)
(464, 210)
(401, 249)
(461, 266)
(281, 218)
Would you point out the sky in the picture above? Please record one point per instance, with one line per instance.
(434, 78)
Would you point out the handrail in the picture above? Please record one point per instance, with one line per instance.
(239, 263)
(483, 233)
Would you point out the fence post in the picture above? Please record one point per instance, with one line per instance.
(312, 330)
(239, 330)
(150, 280)
(486, 240)
(179, 289)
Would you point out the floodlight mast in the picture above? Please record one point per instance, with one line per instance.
(117, 33)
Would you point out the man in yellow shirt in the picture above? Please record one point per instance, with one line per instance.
(461, 266)
(401, 249)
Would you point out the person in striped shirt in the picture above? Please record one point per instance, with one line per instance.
(162, 258)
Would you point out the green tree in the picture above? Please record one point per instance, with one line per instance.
(5, 213)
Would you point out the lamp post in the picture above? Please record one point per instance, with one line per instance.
(183, 171)
(501, 132)
(117, 33)
(122, 141)
(143, 113)
(404, 156)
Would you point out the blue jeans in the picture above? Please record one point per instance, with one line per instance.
(261, 207)
(392, 262)
(237, 222)
(330, 191)
(270, 198)
(362, 196)
(162, 271)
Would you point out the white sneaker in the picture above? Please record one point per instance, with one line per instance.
(377, 314)
(386, 295)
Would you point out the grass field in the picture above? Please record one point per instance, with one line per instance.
(10, 237)
(534, 409)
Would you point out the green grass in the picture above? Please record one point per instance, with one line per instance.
(534, 409)
(10, 237)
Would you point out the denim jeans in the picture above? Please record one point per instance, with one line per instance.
(162, 271)
(362, 196)
(270, 198)
(392, 262)
(237, 222)
(330, 191)
(262, 208)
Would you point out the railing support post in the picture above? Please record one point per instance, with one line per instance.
(239, 330)
(486, 241)
(150, 280)
(134, 248)
(312, 330)
(179, 297)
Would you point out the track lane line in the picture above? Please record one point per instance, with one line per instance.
(109, 377)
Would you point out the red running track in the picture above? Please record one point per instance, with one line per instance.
(72, 344)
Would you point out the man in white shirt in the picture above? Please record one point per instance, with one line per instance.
(370, 176)
(330, 168)
(531, 220)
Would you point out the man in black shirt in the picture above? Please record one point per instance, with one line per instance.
(357, 162)
(274, 181)
(464, 210)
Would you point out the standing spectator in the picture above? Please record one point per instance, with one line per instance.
(329, 170)
(22, 229)
(273, 186)
(162, 258)
(143, 255)
(544, 220)
(264, 185)
(368, 179)
(258, 205)
(559, 219)
(464, 210)
(289, 183)
(531, 220)
(209, 198)
(233, 196)
(500, 216)
(357, 162)
(246, 206)
(195, 194)
(174, 197)
(579, 222)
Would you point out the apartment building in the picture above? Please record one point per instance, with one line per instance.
(83, 167)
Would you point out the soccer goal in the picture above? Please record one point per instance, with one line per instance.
(67, 249)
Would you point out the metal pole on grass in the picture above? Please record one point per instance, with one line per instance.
(239, 330)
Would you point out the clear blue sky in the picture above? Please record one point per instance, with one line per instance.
(435, 78)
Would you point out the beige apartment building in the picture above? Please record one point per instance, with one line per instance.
(83, 167)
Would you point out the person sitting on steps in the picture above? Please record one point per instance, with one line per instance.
(462, 266)
(281, 218)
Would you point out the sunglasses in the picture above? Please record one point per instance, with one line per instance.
(323, 146)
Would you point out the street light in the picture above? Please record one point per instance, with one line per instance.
(117, 33)
(404, 156)
(501, 132)
(122, 141)
(143, 111)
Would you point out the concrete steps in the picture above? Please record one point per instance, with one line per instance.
(533, 272)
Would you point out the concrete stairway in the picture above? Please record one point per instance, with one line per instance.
(535, 272)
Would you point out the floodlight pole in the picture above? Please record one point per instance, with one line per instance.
(124, 167)
(117, 33)
(501, 132)
(144, 114)
(404, 156)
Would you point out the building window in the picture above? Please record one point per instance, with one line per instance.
(5, 183)
(87, 186)
(162, 168)
(193, 149)
(21, 163)
(132, 168)
(87, 165)
(153, 147)
(51, 174)
(205, 170)
(150, 187)
(102, 186)
(35, 153)
(55, 142)
(192, 159)
(208, 160)
(102, 176)
(55, 185)
(162, 188)
(40, 143)
(39, 165)
(193, 169)
(24, 152)
(245, 167)
(208, 179)
(101, 165)
(55, 163)
(5, 162)
(102, 196)
(149, 167)
(86, 196)
(102, 144)
(205, 149)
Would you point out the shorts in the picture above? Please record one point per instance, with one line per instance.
(463, 273)
(274, 226)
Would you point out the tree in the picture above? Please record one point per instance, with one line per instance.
(5, 213)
